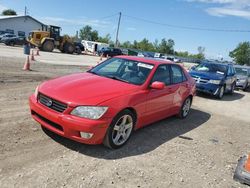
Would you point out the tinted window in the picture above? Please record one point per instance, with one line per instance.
(177, 74)
(162, 74)
(21, 33)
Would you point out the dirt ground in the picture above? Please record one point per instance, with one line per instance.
(199, 151)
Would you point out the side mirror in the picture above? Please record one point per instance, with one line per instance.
(157, 85)
(193, 67)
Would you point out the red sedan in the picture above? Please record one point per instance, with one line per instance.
(106, 103)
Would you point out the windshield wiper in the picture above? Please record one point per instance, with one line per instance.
(117, 78)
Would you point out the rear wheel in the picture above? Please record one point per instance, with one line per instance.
(68, 48)
(48, 46)
(120, 130)
(12, 43)
(185, 108)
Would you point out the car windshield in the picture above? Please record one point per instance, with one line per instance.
(124, 70)
(241, 71)
(210, 67)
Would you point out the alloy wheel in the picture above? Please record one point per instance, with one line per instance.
(122, 130)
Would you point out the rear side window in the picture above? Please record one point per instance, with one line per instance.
(177, 74)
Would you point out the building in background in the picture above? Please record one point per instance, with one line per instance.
(19, 25)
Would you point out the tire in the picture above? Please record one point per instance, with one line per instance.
(48, 46)
(68, 48)
(11, 43)
(185, 108)
(245, 88)
(221, 92)
(120, 130)
(78, 51)
(232, 88)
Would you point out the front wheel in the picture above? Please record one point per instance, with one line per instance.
(246, 86)
(185, 108)
(221, 93)
(232, 88)
(120, 130)
(48, 46)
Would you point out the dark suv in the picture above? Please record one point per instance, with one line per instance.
(110, 52)
(214, 78)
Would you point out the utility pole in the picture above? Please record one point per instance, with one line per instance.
(117, 32)
(25, 11)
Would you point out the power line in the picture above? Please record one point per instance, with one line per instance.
(188, 27)
(113, 15)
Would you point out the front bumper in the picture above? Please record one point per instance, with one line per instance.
(67, 125)
(208, 88)
(240, 84)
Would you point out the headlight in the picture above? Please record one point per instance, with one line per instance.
(36, 91)
(90, 112)
(217, 82)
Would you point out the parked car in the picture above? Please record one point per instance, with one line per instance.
(108, 102)
(111, 52)
(14, 41)
(214, 78)
(6, 36)
(79, 47)
(243, 77)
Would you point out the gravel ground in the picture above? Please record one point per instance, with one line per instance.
(199, 151)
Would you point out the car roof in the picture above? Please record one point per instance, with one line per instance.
(242, 66)
(217, 63)
(155, 61)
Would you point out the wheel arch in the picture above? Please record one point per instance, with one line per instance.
(132, 110)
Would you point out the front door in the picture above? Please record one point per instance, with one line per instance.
(159, 102)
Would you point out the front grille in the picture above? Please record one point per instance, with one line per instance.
(200, 80)
(51, 123)
(51, 103)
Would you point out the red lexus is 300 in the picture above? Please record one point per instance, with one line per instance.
(107, 103)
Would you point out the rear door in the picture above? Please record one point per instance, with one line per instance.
(180, 87)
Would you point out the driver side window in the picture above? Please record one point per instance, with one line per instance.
(162, 74)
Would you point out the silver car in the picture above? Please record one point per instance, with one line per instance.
(243, 77)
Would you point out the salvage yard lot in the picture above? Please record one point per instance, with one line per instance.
(199, 151)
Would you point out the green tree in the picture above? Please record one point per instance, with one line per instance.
(106, 39)
(86, 33)
(126, 44)
(241, 54)
(201, 53)
(145, 45)
(166, 46)
(9, 12)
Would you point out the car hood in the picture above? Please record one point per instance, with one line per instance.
(241, 77)
(207, 75)
(85, 89)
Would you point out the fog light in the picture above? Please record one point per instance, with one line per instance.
(86, 135)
